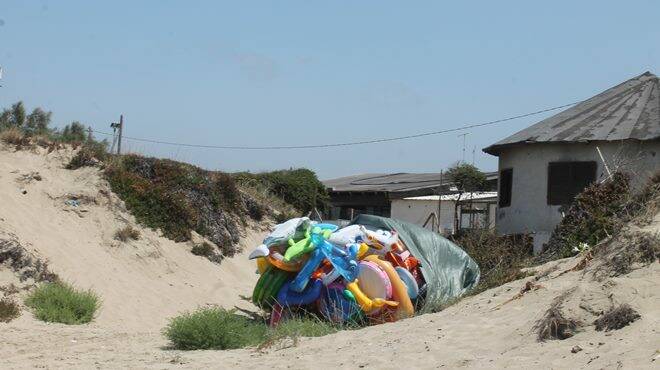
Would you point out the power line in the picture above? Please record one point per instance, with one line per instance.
(331, 145)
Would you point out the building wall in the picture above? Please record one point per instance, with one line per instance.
(416, 212)
(529, 211)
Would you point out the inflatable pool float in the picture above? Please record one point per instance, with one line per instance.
(267, 287)
(368, 305)
(373, 281)
(399, 289)
(289, 297)
(409, 280)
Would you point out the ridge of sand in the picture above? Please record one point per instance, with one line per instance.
(489, 330)
(69, 219)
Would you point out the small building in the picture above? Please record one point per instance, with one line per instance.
(544, 166)
(373, 193)
(476, 210)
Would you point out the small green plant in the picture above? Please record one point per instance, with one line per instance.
(60, 302)
(127, 233)
(9, 310)
(214, 328)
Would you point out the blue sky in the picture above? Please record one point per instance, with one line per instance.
(309, 72)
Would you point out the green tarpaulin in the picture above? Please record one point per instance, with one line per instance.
(449, 271)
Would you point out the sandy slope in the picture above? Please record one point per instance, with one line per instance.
(485, 331)
(141, 282)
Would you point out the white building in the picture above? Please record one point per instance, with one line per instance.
(544, 166)
(477, 210)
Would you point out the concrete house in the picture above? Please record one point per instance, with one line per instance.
(544, 166)
(373, 193)
(476, 211)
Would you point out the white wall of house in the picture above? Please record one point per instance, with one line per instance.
(417, 211)
(529, 211)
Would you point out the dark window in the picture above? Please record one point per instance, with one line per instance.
(506, 179)
(568, 179)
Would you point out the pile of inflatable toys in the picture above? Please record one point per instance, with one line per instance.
(349, 274)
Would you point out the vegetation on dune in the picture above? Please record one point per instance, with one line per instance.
(127, 233)
(600, 211)
(500, 257)
(298, 187)
(60, 302)
(179, 198)
(9, 310)
(214, 328)
(218, 328)
(616, 318)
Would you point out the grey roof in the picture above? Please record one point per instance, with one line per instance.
(390, 182)
(630, 110)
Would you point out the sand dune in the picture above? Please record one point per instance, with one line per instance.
(141, 282)
(144, 282)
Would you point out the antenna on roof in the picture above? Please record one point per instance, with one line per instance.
(464, 135)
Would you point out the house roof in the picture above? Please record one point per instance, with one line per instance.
(479, 195)
(630, 110)
(390, 182)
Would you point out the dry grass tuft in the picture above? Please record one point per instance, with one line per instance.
(620, 255)
(127, 233)
(554, 325)
(14, 136)
(9, 310)
(617, 318)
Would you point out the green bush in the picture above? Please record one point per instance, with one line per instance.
(60, 302)
(204, 249)
(214, 328)
(299, 187)
(218, 328)
(595, 214)
(9, 310)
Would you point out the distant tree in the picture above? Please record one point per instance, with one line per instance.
(14, 116)
(466, 178)
(35, 123)
(74, 132)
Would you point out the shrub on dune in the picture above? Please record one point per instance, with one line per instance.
(60, 302)
(214, 328)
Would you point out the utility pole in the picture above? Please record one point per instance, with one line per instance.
(121, 129)
(439, 228)
(89, 134)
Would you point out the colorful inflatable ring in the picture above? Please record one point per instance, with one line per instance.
(409, 280)
(267, 287)
(374, 282)
(293, 266)
(400, 290)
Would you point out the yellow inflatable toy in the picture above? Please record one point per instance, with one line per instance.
(262, 265)
(399, 288)
(365, 302)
